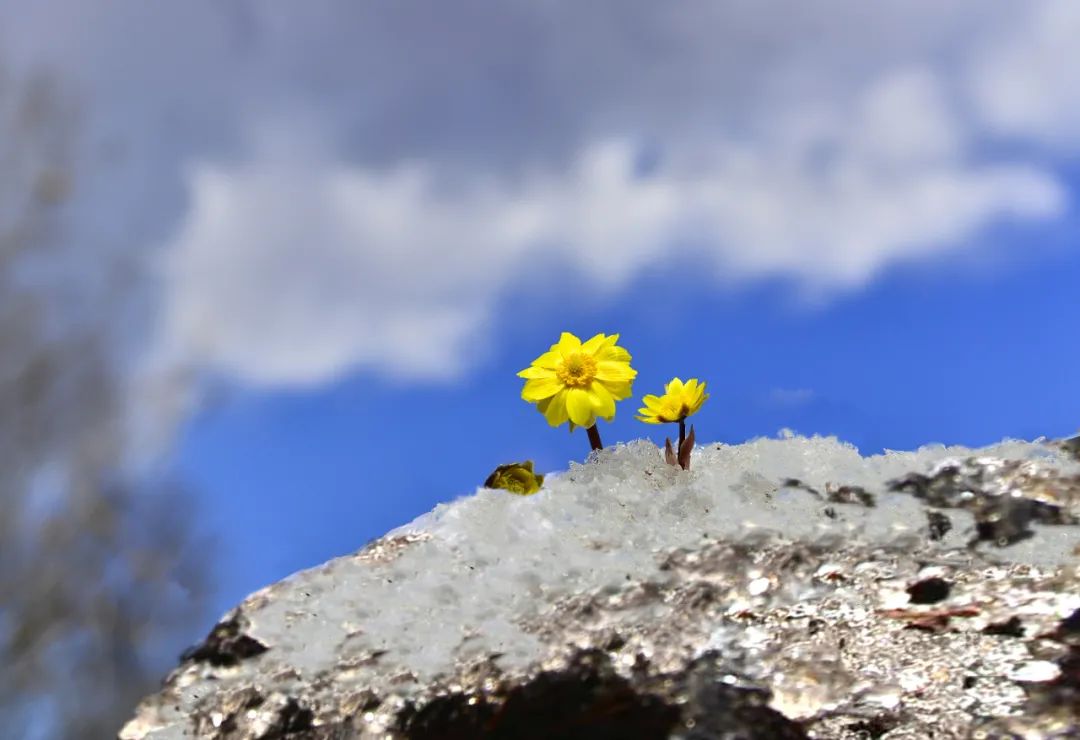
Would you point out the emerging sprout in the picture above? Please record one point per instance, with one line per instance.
(516, 477)
(575, 382)
(679, 401)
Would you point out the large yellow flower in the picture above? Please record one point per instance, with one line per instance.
(679, 401)
(575, 382)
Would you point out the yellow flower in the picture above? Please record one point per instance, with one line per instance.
(575, 382)
(517, 478)
(679, 401)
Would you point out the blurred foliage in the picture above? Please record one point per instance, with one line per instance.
(98, 576)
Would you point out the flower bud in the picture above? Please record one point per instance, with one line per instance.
(517, 478)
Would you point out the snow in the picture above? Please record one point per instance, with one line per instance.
(494, 556)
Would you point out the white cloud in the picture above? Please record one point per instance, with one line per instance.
(289, 272)
(359, 185)
(294, 271)
(1027, 83)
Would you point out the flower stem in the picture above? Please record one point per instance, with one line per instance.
(682, 432)
(594, 438)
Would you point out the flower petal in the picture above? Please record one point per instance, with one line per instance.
(702, 397)
(554, 409)
(540, 388)
(593, 345)
(537, 372)
(568, 343)
(652, 402)
(551, 359)
(619, 390)
(614, 371)
(602, 400)
(579, 407)
(611, 353)
(673, 388)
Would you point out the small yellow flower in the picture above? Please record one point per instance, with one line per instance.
(517, 478)
(679, 401)
(576, 382)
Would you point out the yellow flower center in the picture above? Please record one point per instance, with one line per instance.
(577, 370)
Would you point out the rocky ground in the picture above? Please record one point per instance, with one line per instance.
(941, 632)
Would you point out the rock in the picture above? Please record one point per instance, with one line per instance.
(630, 599)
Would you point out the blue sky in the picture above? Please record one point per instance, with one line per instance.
(354, 222)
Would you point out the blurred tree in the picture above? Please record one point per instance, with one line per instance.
(97, 577)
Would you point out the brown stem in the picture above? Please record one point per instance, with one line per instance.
(682, 432)
(594, 438)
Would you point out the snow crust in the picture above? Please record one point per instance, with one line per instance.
(493, 557)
